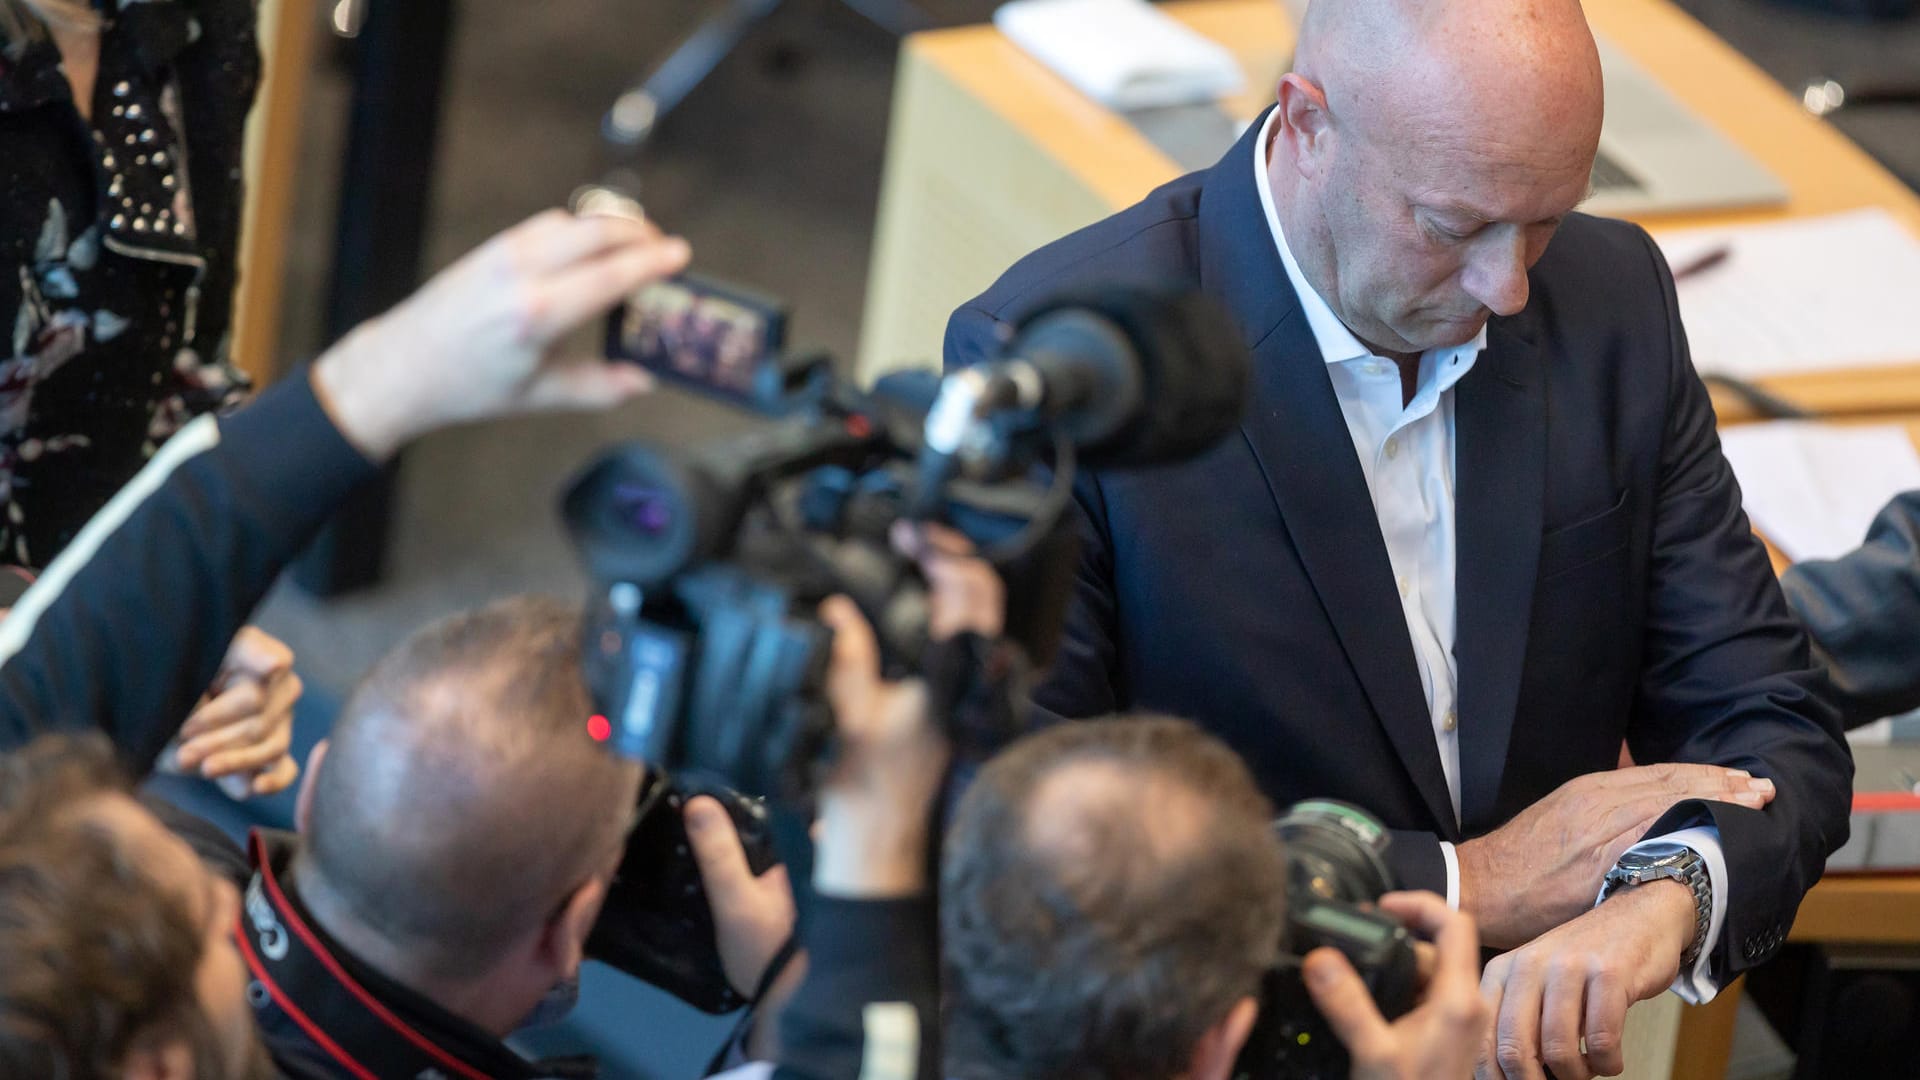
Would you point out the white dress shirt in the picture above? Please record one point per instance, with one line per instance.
(1406, 451)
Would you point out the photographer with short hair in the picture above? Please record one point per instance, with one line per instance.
(1108, 899)
(124, 630)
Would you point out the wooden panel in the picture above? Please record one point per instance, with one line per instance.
(1704, 1039)
(964, 195)
(1876, 909)
(273, 146)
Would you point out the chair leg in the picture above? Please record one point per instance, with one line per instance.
(638, 110)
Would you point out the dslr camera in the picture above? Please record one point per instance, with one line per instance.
(1336, 870)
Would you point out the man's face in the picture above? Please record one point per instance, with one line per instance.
(1431, 229)
(213, 904)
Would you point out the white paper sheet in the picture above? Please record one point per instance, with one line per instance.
(1814, 488)
(1812, 294)
(1125, 54)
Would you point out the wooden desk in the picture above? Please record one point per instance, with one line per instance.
(991, 156)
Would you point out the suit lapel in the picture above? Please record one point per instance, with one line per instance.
(1296, 430)
(1500, 424)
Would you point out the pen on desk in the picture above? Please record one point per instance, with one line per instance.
(1704, 261)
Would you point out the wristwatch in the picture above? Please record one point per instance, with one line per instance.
(1681, 864)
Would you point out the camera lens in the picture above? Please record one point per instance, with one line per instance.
(646, 509)
(1335, 851)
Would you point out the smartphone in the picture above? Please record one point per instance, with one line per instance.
(704, 334)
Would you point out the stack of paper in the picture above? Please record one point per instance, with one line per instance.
(1810, 294)
(1124, 54)
(1813, 489)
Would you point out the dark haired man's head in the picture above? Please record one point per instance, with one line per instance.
(116, 951)
(461, 827)
(1111, 894)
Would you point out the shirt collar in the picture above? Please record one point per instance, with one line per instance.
(1337, 343)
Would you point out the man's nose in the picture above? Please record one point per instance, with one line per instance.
(1497, 274)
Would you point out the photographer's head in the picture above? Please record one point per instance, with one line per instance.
(461, 827)
(1111, 895)
(120, 956)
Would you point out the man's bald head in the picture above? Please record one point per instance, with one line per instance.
(1502, 69)
(1407, 128)
(461, 800)
(1110, 890)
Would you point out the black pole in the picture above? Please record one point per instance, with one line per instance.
(400, 61)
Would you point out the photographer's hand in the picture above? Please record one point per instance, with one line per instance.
(890, 757)
(244, 726)
(1440, 1037)
(477, 340)
(753, 915)
(876, 805)
(1545, 866)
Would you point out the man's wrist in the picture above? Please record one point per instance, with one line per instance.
(1475, 899)
(870, 854)
(1668, 903)
(364, 410)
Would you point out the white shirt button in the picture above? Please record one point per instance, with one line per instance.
(1451, 722)
(1393, 449)
(1404, 588)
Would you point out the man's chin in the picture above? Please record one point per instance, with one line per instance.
(1452, 333)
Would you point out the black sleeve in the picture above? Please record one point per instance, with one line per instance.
(1727, 680)
(130, 624)
(1863, 613)
(871, 993)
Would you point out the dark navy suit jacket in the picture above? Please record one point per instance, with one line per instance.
(1609, 585)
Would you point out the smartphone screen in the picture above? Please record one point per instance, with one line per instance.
(701, 333)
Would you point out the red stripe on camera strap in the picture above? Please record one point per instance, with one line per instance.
(314, 948)
(292, 1011)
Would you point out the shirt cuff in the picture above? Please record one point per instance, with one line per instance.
(1452, 860)
(1696, 987)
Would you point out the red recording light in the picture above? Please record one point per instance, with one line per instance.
(598, 729)
(859, 426)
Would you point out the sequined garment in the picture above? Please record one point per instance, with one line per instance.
(117, 246)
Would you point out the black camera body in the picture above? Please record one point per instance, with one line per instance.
(1335, 871)
(656, 924)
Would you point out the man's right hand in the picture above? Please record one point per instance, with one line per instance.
(1440, 1037)
(1545, 866)
(477, 340)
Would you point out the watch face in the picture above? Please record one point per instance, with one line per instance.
(1644, 861)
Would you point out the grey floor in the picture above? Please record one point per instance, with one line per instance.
(772, 171)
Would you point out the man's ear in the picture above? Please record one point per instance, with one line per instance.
(147, 1060)
(565, 943)
(1306, 122)
(303, 803)
(1219, 1048)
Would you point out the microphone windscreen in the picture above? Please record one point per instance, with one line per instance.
(1194, 371)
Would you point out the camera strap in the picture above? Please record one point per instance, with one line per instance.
(307, 1003)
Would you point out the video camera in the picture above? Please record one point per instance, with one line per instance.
(1336, 870)
(703, 650)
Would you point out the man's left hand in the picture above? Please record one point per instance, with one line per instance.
(244, 725)
(1572, 985)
